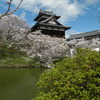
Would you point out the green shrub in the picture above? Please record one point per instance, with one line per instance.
(34, 62)
(11, 52)
(76, 78)
(12, 57)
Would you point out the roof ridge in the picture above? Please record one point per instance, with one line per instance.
(47, 19)
(85, 32)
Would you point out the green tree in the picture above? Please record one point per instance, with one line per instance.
(76, 78)
(10, 52)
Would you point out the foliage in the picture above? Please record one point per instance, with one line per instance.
(35, 44)
(12, 28)
(76, 78)
(35, 62)
(11, 56)
(11, 52)
(45, 47)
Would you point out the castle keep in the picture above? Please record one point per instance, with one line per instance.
(47, 22)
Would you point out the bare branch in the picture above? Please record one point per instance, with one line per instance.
(16, 8)
(9, 8)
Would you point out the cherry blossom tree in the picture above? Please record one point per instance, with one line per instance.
(44, 47)
(12, 27)
(82, 43)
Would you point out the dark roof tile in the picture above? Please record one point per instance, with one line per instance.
(91, 33)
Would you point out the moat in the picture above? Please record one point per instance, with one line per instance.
(19, 84)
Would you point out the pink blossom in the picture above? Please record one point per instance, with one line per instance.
(7, 2)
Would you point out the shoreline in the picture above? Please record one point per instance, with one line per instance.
(20, 67)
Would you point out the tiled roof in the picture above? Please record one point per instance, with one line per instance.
(46, 12)
(61, 26)
(84, 34)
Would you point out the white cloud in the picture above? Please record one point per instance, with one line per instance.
(23, 15)
(71, 32)
(99, 8)
(68, 9)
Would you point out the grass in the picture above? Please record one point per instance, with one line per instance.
(19, 62)
(13, 62)
(14, 58)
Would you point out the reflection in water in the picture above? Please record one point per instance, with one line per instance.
(19, 84)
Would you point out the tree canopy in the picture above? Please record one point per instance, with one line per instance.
(12, 27)
(76, 78)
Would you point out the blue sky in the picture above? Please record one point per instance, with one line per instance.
(81, 15)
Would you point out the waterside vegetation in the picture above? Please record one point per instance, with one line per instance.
(76, 78)
(12, 57)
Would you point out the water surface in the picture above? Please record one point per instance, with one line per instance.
(19, 84)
